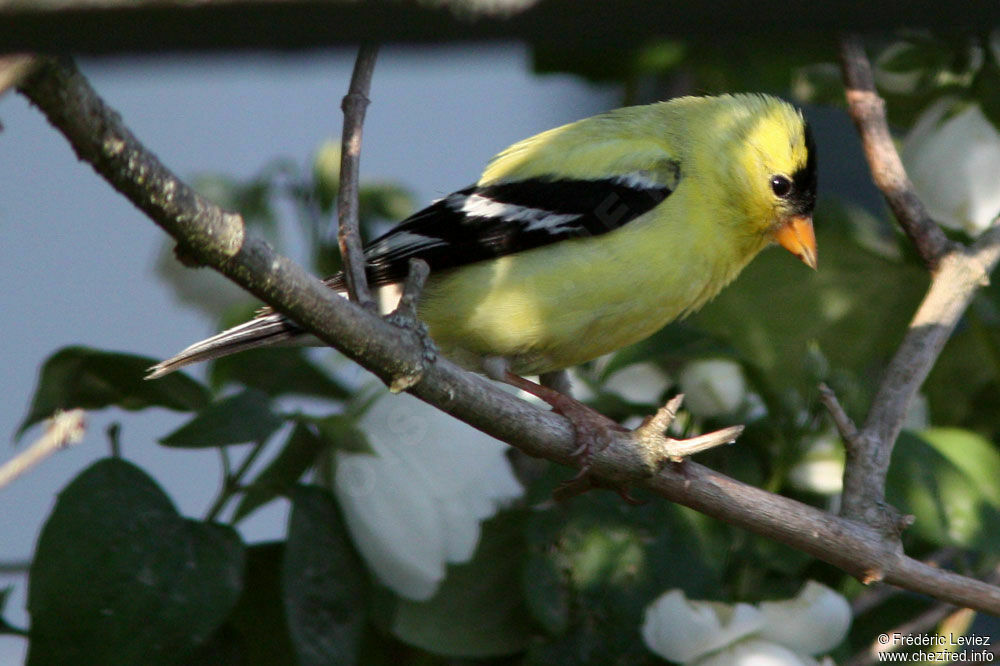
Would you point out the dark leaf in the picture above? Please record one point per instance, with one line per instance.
(325, 586)
(298, 454)
(987, 92)
(245, 417)
(818, 83)
(277, 371)
(120, 578)
(257, 632)
(546, 593)
(95, 379)
(612, 560)
(914, 55)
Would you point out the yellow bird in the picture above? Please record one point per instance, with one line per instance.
(591, 236)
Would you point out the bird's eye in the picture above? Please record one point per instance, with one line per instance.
(781, 186)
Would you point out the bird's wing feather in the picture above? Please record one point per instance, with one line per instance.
(492, 220)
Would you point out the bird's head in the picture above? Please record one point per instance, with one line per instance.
(778, 163)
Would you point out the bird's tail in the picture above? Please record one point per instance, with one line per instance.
(263, 331)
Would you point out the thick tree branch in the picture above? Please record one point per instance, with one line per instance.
(216, 238)
(354, 105)
(958, 272)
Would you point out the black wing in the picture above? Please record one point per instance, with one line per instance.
(484, 222)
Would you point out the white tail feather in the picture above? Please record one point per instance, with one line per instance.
(267, 331)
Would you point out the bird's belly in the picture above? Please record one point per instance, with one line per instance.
(528, 309)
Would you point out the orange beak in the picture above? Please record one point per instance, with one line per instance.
(797, 236)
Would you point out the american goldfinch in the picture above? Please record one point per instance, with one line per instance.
(591, 236)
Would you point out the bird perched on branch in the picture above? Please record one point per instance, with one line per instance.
(591, 236)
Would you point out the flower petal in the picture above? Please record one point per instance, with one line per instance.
(756, 652)
(682, 630)
(813, 622)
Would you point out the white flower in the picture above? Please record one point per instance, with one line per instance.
(756, 652)
(639, 382)
(772, 633)
(821, 468)
(682, 630)
(952, 155)
(813, 622)
(713, 387)
(417, 504)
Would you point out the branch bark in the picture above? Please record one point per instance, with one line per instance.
(958, 272)
(867, 110)
(63, 430)
(355, 104)
(216, 238)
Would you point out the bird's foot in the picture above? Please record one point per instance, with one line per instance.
(594, 432)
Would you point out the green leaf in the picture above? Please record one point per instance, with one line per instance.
(384, 201)
(245, 417)
(298, 454)
(777, 308)
(946, 477)
(986, 91)
(95, 379)
(546, 593)
(341, 432)
(256, 633)
(818, 83)
(478, 611)
(612, 560)
(324, 584)
(908, 56)
(970, 359)
(277, 371)
(120, 578)
(326, 174)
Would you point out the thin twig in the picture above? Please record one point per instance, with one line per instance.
(354, 105)
(13, 68)
(232, 481)
(63, 430)
(867, 109)
(216, 238)
(413, 286)
(845, 426)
